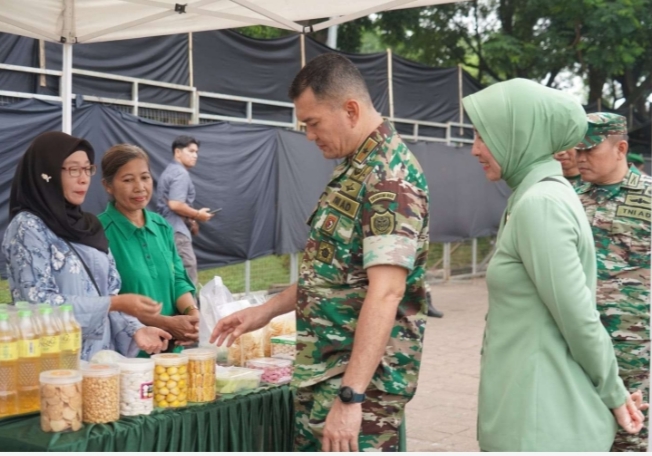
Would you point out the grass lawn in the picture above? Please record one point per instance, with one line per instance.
(273, 269)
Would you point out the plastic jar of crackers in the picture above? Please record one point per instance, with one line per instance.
(201, 371)
(101, 393)
(61, 400)
(171, 380)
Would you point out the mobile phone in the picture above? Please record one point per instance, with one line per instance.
(215, 211)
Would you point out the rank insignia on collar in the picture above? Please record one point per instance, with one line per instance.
(366, 149)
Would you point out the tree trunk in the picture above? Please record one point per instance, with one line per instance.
(596, 83)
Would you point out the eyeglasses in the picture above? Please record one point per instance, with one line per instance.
(76, 171)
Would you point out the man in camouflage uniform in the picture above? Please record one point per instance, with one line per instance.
(360, 300)
(568, 161)
(617, 202)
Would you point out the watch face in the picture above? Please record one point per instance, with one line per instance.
(346, 394)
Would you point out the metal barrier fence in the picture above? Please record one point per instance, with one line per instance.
(448, 261)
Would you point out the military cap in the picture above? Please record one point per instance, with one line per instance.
(635, 158)
(601, 125)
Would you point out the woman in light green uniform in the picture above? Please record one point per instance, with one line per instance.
(142, 243)
(549, 378)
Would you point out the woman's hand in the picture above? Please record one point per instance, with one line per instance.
(629, 417)
(184, 328)
(138, 306)
(637, 398)
(152, 340)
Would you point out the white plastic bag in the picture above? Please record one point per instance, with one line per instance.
(107, 357)
(212, 296)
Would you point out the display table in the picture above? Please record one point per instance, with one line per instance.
(262, 420)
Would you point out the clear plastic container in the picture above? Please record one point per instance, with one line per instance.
(70, 338)
(275, 371)
(61, 400)
(284, 347)
(248, 346)
(170, 380)
(136, 386)
(101, 393)
(8, 366)
(230, 380)
(201, 374)
(50, 338)
(29, 362)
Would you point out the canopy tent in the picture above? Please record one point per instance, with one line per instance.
(88, 21)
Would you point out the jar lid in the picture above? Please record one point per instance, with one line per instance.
(269, 362)
(201, 354)
(170, 359)
(60, 377)
(136, 365)
(100, 370)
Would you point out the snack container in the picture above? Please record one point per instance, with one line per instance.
(61, 400)
(275, 371)
(201, 372)
(136, 386)
(284, 347)
(171, 380)
(230, 380)
(248, 346)
(101, 393)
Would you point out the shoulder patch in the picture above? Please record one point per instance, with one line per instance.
(382, 196)
(382, 223)
(325, 252)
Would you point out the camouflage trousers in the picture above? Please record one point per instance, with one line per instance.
(634, 368)
(382, 414)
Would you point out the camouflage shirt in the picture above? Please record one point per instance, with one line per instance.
(373, 212)
(620, 219)
(576, 181)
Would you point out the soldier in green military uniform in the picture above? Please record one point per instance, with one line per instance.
(361, 299)
(568, 161)
(617, 202)
(637, 161)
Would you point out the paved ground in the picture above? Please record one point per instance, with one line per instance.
(442, 416)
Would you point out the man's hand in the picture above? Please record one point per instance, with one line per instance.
(203, 215)
(629, 417)
(342, 427)
(152, 340)
(238, 323)
(184, 328)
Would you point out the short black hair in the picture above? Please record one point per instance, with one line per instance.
(183, 141)
(330, 76)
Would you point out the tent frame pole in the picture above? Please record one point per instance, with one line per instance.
(66, 89)
(390, 83)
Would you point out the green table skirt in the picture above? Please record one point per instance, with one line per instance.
(259, 421)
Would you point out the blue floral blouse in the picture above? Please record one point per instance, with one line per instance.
(43, 269)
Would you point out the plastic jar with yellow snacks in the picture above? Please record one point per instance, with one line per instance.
(101, 393)
(201, 374)
(61, 400)
(170, 380)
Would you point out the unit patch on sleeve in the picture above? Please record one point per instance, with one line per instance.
(325, 252)
(382, 223)
(382, 196)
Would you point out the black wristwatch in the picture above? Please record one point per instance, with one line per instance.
(348, 396)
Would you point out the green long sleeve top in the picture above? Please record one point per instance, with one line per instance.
(147, 258)
(549, 375)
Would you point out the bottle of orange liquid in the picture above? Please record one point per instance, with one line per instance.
(50, 338)
(8, 367)
(29, 362)
(70, 338)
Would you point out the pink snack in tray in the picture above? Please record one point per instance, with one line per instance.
(275, 371)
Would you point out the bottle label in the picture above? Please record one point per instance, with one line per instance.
(29, 348)
(71, 341)
(147, 390)
(50, 344)
(8, 351)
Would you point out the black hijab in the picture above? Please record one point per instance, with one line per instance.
(37, 188)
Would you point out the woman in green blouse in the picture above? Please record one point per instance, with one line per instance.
(142, 243)
(549, 378)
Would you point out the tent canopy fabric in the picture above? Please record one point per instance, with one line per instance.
(87, 21)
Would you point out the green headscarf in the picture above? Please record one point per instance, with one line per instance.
(524, 123)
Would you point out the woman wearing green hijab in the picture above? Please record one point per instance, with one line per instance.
(549, 378)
